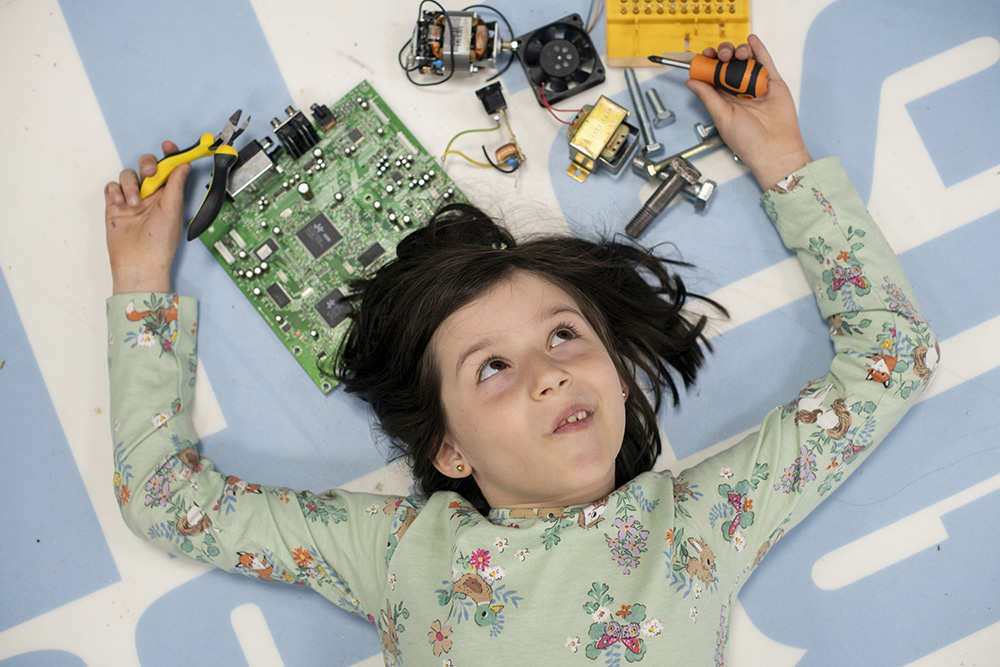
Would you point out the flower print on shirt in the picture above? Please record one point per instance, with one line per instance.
(439, 637)
(628, 542)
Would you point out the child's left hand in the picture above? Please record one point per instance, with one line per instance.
(142, 234)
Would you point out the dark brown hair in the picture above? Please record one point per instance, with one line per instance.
(632, 298)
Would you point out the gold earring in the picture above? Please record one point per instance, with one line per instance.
(624, 395)
(460, 468)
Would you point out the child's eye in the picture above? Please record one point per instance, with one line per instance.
(491, 368)
(562, 334)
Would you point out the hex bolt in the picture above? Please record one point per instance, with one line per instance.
(705, 131)
(681, 174)
(664, 116)
(640, 111)
(700, 194)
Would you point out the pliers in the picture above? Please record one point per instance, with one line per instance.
(220, 146)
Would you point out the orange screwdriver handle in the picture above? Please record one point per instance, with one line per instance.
(743, 78)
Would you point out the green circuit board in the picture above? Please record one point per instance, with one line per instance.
(297, 229)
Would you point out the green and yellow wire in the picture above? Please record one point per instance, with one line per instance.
(448, 151)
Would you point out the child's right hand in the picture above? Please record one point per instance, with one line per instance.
(143, 234)
(763, 132)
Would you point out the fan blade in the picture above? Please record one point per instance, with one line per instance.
(531, 52)
(556, 84)
(536, 76)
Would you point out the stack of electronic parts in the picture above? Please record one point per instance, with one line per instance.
(326, 207)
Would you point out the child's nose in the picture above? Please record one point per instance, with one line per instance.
(550, 377)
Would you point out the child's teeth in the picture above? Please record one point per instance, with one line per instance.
(577, 417)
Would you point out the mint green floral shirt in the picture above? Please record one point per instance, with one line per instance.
(648, 573)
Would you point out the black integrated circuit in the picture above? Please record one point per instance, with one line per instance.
(319, 235)
(333, 309)
(279, 295)
(269, 247)
(355, 135)
(368, 256)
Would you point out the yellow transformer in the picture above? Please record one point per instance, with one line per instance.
(636, 28)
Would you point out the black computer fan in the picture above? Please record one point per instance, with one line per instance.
(559, 59)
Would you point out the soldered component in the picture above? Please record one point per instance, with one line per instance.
(599, 137)
(296, 133)
(319, 235)
(253, 162)
(323, 116)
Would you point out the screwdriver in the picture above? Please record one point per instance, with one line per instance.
(743, 78)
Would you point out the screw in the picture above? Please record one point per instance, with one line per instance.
(664, 116)
(640, 111)
(681, 174)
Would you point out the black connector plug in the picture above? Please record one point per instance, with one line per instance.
(492, 98)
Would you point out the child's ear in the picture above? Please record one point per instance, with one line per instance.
(450, 462)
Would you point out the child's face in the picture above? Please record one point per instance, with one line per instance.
(516, 365)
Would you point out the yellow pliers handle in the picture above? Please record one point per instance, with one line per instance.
(165, 166)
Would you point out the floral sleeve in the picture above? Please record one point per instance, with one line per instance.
(336, 542)
(885, 355)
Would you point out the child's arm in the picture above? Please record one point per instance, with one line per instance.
(168, 494)
(884, 357)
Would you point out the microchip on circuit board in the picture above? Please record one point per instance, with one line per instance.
(368, 256)
(319, 235)
(333, 309)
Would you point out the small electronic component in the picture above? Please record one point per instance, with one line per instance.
(600, 137)
(278, 295)
(354, 135)
(296, 133)
(639, 28)
(333, 308)
(319, 235)
(321, 114)
(266, 250)
(492, 98)
(368, 256)
(506, 153)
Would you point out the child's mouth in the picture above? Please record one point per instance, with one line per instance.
(575, 418)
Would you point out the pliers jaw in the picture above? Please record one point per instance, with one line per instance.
(230, 131)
